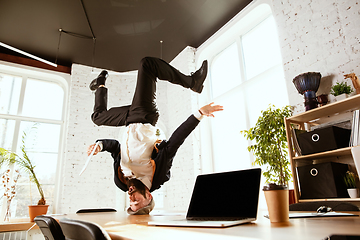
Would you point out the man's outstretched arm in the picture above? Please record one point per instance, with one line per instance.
(181, 133)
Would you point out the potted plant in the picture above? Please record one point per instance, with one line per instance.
(25, 164)
(341, 90)
(350, 181)
(270, 150)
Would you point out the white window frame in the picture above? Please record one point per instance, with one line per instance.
(252, 15)
(63, 79)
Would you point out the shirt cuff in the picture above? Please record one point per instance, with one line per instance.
(198, 115)
(100, 145)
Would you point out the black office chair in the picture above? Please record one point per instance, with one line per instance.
(81, 230)
(49, 227)
(92, 210)
(314, 206)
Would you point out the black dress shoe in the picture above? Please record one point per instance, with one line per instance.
(199, 77)
(100, 80)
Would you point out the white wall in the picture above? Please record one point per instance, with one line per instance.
(318, 36)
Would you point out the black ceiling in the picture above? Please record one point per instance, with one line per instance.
(125, 30)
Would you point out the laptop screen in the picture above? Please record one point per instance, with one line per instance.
(227, 195)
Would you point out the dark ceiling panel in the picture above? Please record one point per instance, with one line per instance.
(125, 30)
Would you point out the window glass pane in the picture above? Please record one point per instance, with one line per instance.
(225, 71)
(41, 145)
(40, 137)
(261, 48)
(265, 89)
(229, 146)
(43, 100)
(10, 87)
(6, 133)
(28, 194)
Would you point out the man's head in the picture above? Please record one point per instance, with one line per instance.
(141, 201)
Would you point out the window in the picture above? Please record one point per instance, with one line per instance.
(261, 50)
(32, 111)
(228, 62)
(246, 75)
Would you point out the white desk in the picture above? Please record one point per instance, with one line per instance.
(123, 226)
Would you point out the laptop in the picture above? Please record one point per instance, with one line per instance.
(221, 200)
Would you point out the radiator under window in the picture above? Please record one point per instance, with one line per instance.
(18, 235)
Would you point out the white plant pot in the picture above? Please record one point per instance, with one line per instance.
(341, 97)
(353, 192)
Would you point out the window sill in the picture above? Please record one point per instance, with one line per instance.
(18, 224)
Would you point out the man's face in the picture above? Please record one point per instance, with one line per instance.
(137, 200)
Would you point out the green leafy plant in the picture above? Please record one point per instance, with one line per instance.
(25, 164)
(350, 179)
(271, 144)
(340, 88)
(6, 157)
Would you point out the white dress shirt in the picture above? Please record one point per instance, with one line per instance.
(137, 146)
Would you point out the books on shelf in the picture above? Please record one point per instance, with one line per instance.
(355, 130)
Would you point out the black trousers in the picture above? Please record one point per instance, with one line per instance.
(143, 107)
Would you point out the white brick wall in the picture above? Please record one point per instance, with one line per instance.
(321, 36)
(95, 188)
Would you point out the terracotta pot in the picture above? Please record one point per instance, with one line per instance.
(277, 200)
(37, 210)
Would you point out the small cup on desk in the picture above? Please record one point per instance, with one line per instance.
(277, 200)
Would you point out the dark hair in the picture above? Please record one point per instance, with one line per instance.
(139, 186)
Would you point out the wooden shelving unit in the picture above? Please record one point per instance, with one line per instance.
(317, 116)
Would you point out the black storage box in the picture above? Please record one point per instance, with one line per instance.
(324, 180)
(324, 139)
